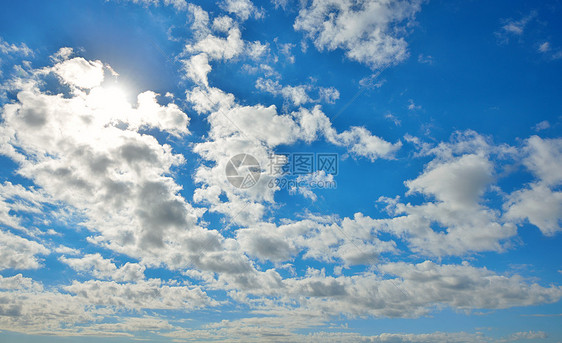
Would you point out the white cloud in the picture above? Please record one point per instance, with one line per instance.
(319, 179)
(84, 150)
(80, 73)
(218, 48)
(540, 203)
(544, 159)
(517, 27)
(425, 59)
(197, 68)
(361, 142)
(371, 32)
(257, 50)
(90, 149)
(350, 241)
(149, 294)
(62, 54)
(255, 130)
(8, 49)
(393, 118)
(357, 140)
(416, 288)
(243, 9)
(454, 219)
(544, 47)
(29, 311)
(19, 253)
(514, 27)
(15, 199)
(412, 106)
(199, 21)
(460, 182)
(177, 4)
(543, 125)
(104, 268)
(19, 282)
(298, 95)
(329, 95)
(28, 308)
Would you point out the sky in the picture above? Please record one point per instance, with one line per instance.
(280, 171)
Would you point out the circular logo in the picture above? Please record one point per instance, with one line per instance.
(243, 171)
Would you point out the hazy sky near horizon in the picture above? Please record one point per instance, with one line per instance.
(284, 171)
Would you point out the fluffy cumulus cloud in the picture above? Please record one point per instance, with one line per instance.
(298, 95)
(370, 32)
(455, 220)
(20, 253)
(16, 200)
(103, 268)
(254, 130)
(243, 9)
(541, 202)
(92, 163)
(7, 48)
(87, 150)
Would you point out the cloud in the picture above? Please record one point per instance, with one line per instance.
(16, 199)
(516, 27)
(370, 33)
(318, 179)
(85, 147)
(19, 253)
(255, 130)
(412, 106)
(298, 95)
(104, 268)
(417, 288)
(393, 118)
(540, 203)
(544, 47)
(218, 48)
(9, 49)
(351, 241)
(243, 9)
(17, 282)
(425, 59)
(76, 309)
(149, 294)
(177, 4)
(454, 219)
(85, 150)
(543, 125)
(81, 73)
(259, 329)
(543, 158)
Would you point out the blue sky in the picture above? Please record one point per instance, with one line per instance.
(125, 125)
